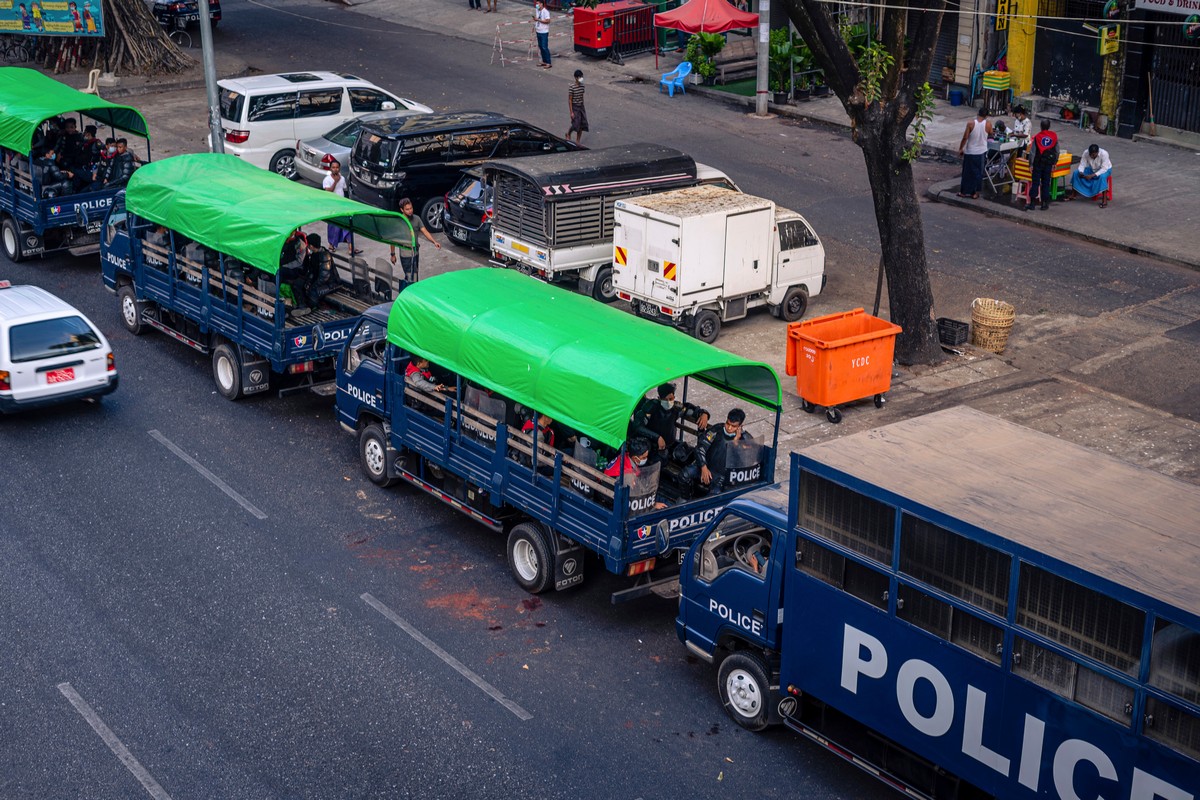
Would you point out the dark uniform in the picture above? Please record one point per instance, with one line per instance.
(652, 421)
(711, 452)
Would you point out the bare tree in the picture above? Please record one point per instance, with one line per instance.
(883, 88)
(136, 43)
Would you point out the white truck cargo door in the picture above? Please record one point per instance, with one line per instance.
(748, 252)
(662, 261)
(629, 250)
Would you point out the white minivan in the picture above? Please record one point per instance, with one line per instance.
(49, 351)
(262, 116)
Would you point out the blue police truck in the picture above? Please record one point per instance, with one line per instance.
(512, 401)
(964, 608)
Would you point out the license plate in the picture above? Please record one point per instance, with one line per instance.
(459, 233)
(94, 227)
(520, 248)
(64, 375)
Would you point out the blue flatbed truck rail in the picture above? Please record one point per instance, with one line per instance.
(223, 221)
(511, 342)
(964, 608)
(36, 219)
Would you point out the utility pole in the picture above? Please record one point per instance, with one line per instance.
(210, 79)
(764, 43)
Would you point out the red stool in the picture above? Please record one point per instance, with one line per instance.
(1106, 196)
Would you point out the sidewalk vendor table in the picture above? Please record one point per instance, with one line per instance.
(995, 166)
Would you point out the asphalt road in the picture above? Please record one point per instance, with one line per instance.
(218, 590)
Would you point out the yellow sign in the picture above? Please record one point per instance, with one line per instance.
(1002, 12)
(1110, 39)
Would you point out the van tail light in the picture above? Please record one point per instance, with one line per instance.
(296, 369)
(487, 216)
(112, 363)
(236, 137)
(638, 567)
(5, 386)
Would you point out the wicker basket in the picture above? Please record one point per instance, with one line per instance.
(991, 322)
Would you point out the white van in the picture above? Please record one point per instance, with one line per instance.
(263, 116)
(49, 351)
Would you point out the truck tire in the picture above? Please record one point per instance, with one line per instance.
(432, 213)
(284, 163)
(227, 372)
(794, 304)
(530, 557)
(706, 326)
(131, 310)
(372, 454)
(742, 682)
(603, 289)
(11, 234)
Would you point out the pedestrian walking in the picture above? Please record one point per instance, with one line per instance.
(973, 149)
(410, 252)
(1045, 158)
(475, 4)
(335, 182)
(579, 123)
(491, 6)
(541, 26)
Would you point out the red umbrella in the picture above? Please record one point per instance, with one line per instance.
(709, 16)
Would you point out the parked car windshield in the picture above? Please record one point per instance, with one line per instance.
(346, 134)
(51, 337)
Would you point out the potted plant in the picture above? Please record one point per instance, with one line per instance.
(819, 87)
(779, 96)
(702, 48)
(803, 88)
(781, 57)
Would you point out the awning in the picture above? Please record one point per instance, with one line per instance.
(28, 98)
(708, 16)
(246, 212)
(585, 364)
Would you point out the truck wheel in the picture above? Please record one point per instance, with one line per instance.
(529, 557)
(794, 304)
(742, 681)
(372, 452)
(707, 326)
(284, 163)
(131, 310)
(432, 213)
(227, 372)
(11, 235)
(603, 289)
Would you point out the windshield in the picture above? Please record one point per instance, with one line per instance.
(374, 151)
(345, 134)
(51, 337)
(231, 105)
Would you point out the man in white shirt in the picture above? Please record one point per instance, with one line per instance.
(541, 26)
(335, 182)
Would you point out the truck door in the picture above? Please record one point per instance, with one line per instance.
(662, 262)
(747, 252)
(800, 256)
(728, 590)
(629, 244)
(361, 380)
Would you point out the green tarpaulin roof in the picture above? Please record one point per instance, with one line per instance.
(28, 98)
(244, 211)
(585, 364)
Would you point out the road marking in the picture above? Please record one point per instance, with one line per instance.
(109, 738)
(220, 484)
(454, 663)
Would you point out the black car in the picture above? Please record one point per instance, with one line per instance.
(420, 157)
(468, 215)
(178, 14)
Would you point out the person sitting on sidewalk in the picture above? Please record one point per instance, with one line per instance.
(1091, 178)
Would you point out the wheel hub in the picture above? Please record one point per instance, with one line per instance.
(743, 693)
(373, 454)
(525, 560)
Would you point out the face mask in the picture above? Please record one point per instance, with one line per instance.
(730, 434)
(112, 149)
(640, 463)
(666, 404)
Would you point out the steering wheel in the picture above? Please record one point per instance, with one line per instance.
(746, 545)
(378, 349)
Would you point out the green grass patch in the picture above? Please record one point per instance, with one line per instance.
(746, 88)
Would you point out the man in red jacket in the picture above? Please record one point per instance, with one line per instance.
(1045, 157)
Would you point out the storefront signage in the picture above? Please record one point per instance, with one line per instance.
(51, 17)
(1169, 6)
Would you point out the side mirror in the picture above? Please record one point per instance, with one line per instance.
(387, 105)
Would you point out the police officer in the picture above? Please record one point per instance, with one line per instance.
(658, 419)
(709, 465)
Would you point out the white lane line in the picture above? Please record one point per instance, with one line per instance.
(454, 663)
(109, 738)
(220, 484)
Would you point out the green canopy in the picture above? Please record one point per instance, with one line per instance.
(243, 211)
(28, 98)
(585, 364)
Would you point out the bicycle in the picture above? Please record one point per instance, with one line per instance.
(180, 37)
(16, 50)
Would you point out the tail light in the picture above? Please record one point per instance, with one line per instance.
(666, 310)
(5, 386)
(487, 216)
(236, 137)
(638, 567)
(624, 296)
(296, 369)
(112, 363)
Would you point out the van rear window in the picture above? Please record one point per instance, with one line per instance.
(375, 151)
(48, 338)
(231, 105)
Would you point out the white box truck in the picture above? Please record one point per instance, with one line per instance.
(553, 219)
(697, 257)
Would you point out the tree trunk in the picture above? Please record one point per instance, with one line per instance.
(136, 43)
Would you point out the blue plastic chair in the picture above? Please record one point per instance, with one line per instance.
(674, 80)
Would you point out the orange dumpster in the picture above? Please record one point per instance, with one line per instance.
(839, 358)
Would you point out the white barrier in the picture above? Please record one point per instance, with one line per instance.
(529, 41)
